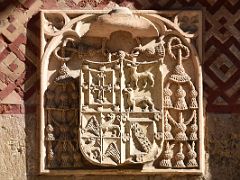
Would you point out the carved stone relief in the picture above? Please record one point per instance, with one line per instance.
(120, 90)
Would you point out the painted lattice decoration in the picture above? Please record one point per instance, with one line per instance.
(121, 90)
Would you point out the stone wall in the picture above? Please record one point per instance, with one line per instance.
(19, 83)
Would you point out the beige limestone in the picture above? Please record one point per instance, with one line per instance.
(120, 89)
(18, 147)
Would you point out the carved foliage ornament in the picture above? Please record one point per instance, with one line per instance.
(120, 90)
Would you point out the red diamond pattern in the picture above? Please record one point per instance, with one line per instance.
(19, 47)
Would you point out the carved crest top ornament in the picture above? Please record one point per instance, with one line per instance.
(120, 90)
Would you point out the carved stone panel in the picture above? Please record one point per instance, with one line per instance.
(121, 92)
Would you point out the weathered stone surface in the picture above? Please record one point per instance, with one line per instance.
(121, 89)
(12, 152)
(18, 147)
(53, 178)
(223, 146)
(221, 38)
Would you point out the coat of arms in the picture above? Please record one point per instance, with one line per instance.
(120, 90)
(120, 121)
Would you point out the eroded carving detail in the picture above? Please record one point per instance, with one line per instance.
(180, 87)
(144, 102)
(167, 156)
(141, 137)
(146, 77)
(119, 89)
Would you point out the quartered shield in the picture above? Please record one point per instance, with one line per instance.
(120, 111)
(121, 89)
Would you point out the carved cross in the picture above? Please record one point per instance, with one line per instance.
(101, 88)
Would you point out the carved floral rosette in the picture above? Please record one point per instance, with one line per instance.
(120, 89)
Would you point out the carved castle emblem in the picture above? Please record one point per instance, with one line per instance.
(116, 101)
(120, 89)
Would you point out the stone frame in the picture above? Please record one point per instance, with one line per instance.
(197, 66)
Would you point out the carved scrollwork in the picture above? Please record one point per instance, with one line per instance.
(119, 89)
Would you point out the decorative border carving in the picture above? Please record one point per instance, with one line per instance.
(183, 148)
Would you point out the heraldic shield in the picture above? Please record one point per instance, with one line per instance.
(121, 90)
(121, 110)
